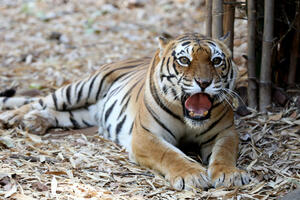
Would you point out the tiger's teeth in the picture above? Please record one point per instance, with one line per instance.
(192, 114)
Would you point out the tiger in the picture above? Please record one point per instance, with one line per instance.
(151, 106)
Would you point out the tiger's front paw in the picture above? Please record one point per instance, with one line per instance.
(222, 175)
(189, 177)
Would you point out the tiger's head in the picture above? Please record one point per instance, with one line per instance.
(196, 72)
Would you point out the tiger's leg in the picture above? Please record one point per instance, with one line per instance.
(70, 97)
(8, 103)
(222, 165)
(153, 152)
(37, 119)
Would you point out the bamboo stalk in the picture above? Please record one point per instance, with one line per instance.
(228, 22)
(217, 18)
(252, 86)
(208, 21)
(294, 52)
(265, 73)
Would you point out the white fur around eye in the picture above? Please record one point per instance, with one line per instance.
(217, 57)
(184, 64)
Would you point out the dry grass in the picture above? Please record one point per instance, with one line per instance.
(69, 164)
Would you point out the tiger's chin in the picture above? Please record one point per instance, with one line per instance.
(194, 124)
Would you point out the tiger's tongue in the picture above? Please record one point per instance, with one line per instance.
(198, 104)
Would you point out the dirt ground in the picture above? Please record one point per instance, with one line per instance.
(45, 44)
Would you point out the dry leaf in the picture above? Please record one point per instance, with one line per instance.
(11, 191)
(275, 117)
(40, 187)
(22, 197)
(53, 186)
(34, 138)
(7, 141)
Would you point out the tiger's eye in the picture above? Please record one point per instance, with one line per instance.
(184, 61)
(216, 61)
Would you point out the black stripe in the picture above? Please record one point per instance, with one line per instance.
(165, 90)
(76, 86)
(64, 106)
(162, 64)
(86, 123)
(156, 118)
(41, 102)
(210, 139)
(120, 125)
(108, 130)
(173, 91)
(108, 112)
(56, 122)
(174, 67)
(217, 104)
(73, 121)
(145, 128)
(91, 85)
(130, 130)
(124, 107)
(5, 99)
(211, 43)
(169, 77)
(174, 54)
(68, 93)
(109, 73)
(80, 92)
(138, 94)
(168, 67)
(54, 100)
(186, 43)
(215, 136)
(213, 124)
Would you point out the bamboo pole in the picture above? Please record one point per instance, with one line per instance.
(208, 21)
(228, 22)
(265, 73)
(217, 19)
(252, 86)
(294, 52)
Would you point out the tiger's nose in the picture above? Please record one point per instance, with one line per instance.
(203, 83)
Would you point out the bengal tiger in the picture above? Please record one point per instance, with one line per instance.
(151, 106)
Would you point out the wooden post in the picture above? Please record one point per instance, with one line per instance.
(217, 19)
(265, 73)
(208, 21)
(228, 22)
(294, 52)
(252, 86)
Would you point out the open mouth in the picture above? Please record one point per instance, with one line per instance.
(198, 106)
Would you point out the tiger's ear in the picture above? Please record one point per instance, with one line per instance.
(163, 40)
(225, 37)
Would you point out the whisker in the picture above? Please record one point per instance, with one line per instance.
(233, 93)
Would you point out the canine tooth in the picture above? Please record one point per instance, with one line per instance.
(205, 113)
(191, 113)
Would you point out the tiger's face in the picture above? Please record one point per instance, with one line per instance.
(197, 73)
